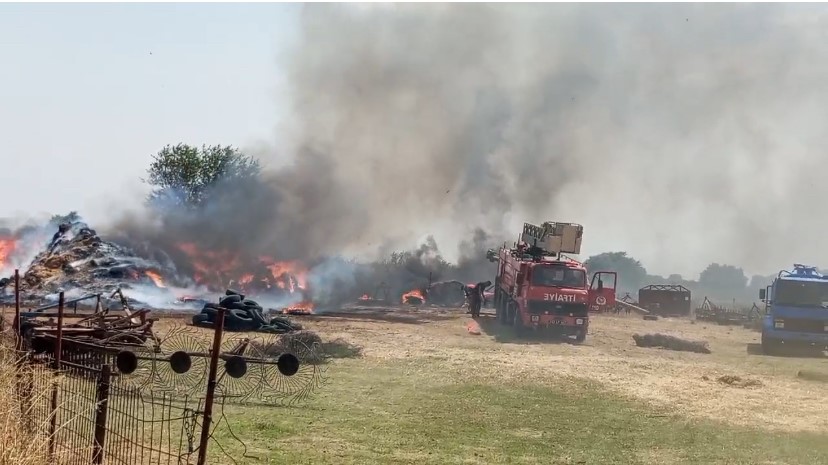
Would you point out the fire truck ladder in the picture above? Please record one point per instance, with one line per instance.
(550, 238)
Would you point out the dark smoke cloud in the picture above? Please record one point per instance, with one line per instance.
(684, 134)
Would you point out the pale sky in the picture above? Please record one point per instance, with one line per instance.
(90, 91)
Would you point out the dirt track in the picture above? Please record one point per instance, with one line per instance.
(681, 381)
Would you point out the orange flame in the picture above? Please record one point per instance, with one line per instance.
(414, 296)
(473, 328)
(302, 308)
(7, 246)
(156, 278)
(365, 297)
(288, 274)
(246, 279)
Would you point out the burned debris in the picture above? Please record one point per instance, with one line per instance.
(85, 327)
(77, 258)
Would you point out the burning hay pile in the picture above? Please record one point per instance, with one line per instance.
(77, 258)
(671, 343)
(242, 315)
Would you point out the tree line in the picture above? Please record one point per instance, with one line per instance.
(717, 281)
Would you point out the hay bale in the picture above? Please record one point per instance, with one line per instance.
(738, 381)
(812, 376)
(340, 348)
(671, 343)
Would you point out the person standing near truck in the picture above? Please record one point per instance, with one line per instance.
(474, 297)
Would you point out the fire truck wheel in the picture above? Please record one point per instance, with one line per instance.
(769, 346)
(581, 336)
(509, 313)
(504, 311)
(520, 330)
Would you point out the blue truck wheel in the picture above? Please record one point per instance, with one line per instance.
(769, 346)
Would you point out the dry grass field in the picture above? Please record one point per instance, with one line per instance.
(427, 391)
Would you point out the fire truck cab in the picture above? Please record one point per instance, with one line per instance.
(538, 288)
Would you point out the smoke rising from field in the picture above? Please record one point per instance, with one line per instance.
(684, 134)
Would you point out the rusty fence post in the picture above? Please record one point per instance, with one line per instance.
(54, 406)
(16, 323)
(211, 388)
(101, 407)
(25, 379)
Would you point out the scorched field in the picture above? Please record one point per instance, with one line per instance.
(427, 390)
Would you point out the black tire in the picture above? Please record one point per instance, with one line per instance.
(282, 325)
(236, 306)
(251, 303)
(201, 319)
(769, 346)
(210, 313)
(238, 320)
(230, 300)
(234, 292)
(581, 336)
(256, 315)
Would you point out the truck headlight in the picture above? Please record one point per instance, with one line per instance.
(579, 321)
(535, 318)
(779, 324)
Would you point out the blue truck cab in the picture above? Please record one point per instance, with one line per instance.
(796, 310)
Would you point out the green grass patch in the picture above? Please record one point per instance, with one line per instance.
(405, 413)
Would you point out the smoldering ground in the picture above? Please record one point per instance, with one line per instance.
(670, 131)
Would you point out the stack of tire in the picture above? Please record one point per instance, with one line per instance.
(242, 315)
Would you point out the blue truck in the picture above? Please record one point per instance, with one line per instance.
(796, 310)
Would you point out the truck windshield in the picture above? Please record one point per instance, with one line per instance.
(801, 293)
(558, 276)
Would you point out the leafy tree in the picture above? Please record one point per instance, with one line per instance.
(759, 281)
(185, 175)
(631, 273)
(723, 280)
(71, 217)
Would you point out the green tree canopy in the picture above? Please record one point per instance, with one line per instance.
(723, 280)
(71, 217)
(631, 274)
(185, 175)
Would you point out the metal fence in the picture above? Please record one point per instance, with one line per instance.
(148, 405)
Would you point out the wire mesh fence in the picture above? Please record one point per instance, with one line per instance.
(147, 402)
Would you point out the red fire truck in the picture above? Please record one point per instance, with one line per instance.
(536, 287)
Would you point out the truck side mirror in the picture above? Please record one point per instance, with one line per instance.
(762, 295)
